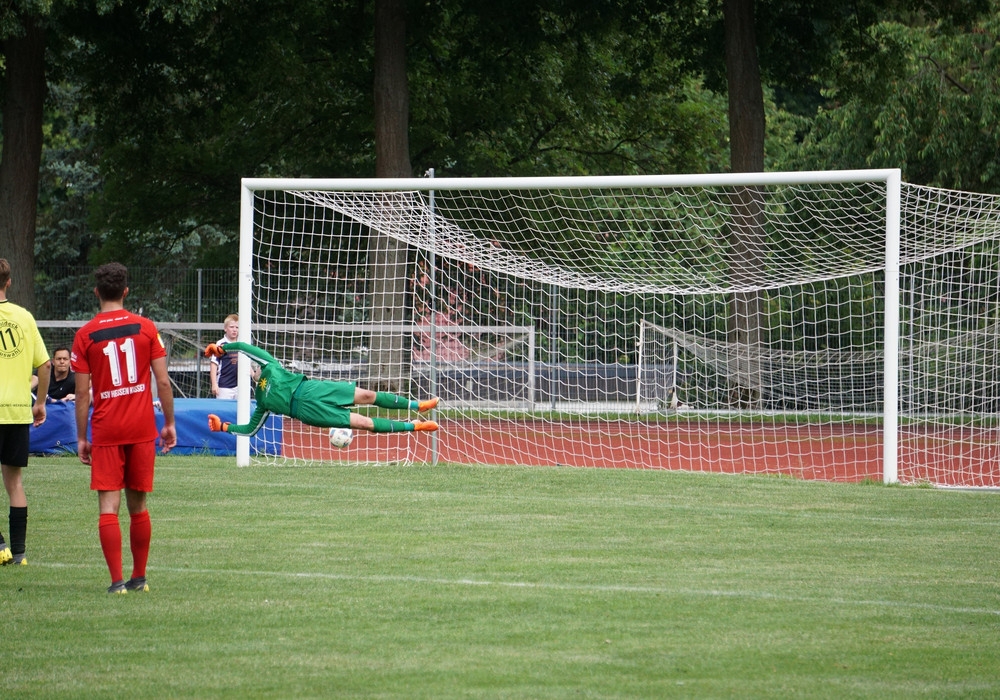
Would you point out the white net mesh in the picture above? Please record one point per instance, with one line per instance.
(949, 383)
(717, 328)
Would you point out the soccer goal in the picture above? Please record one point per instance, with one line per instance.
(835, 325)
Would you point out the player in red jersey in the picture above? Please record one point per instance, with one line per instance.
(113, 355)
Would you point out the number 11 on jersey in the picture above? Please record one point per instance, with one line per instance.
(113, 350)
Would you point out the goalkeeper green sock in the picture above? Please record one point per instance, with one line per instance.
(384, 425)
(384, 399)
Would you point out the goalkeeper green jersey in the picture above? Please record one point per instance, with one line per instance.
(314, 402)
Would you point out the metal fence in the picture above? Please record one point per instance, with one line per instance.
(162, 294)
(188, 305)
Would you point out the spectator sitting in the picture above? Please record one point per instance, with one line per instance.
(62, 381)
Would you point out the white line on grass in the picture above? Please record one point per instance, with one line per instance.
(582, 588)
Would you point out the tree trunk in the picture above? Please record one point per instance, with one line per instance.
(24, 95)
(746, 137)
(746, 96)
(387, 257)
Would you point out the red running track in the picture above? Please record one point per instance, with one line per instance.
(830, 452)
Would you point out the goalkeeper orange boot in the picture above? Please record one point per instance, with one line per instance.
(425, 425)
(427, 405)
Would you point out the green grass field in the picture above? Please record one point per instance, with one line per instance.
(506, 582)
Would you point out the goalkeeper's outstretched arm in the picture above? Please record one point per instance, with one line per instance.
(258, 355)
(261, 357)
(217, 425)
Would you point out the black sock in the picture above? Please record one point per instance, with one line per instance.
(18, 529)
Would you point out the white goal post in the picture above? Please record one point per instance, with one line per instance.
(835, 325)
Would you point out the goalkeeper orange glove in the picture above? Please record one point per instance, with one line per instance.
(216, 425)
(214, 350)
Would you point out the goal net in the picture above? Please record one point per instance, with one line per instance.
(839, 325)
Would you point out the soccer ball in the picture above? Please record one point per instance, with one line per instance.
(341, 437)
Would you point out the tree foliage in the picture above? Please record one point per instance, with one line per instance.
(183, 110)
(192, 106)
(559, 87)
(928, 105)
(157, 109)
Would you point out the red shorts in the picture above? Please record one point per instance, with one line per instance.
(117, 467)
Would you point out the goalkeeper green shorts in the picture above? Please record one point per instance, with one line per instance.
(324, 404)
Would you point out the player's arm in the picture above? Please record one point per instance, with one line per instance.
(213, 374)
(258, 355)
(215, 424)
(82, 415)
(42, 393)
(165, 394)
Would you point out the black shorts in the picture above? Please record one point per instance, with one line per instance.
(15, 440)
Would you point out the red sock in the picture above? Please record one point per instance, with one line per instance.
(111, 543)
(139, 532)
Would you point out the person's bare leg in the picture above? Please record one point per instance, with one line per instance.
(360, 422)
(363, 397)
(14, 484)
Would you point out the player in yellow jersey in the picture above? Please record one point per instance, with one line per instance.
(21, 351)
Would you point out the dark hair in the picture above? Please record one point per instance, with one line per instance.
(112, 279)
(61, 348)
(4, 271)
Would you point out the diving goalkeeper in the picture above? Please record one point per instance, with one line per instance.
(320, 403)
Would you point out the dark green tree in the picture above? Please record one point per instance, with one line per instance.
(926, 104)
(285, 88)
(36, 37)
(22, 42)
(388, 257)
